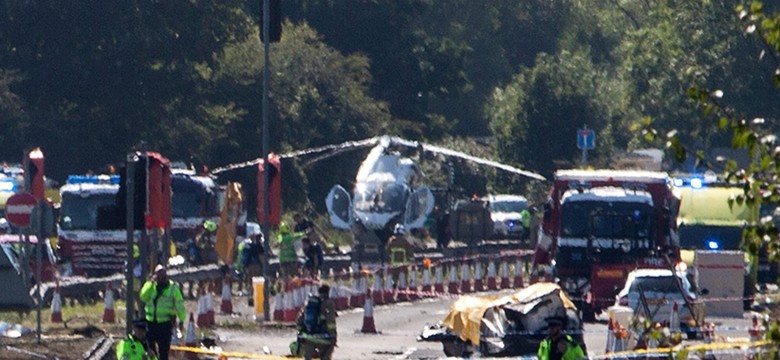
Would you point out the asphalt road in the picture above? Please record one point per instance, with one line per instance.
(398, 326)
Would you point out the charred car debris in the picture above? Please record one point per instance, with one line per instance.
(511, 325)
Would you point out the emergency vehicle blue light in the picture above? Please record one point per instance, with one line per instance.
(678, 182)
(93, 179)
(696, 183)
(510, 224)
(7, 185)
(713, 245)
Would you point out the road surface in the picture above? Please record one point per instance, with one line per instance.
(398, 326)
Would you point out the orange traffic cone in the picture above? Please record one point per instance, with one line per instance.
(491, 275)
(438, 285)
(518, 281)
(210, 314)
(226, 306)
(504, 275)
(56, 305)
(426, 283)
(414, 292)
(203, 316)
(279, 305)
(289, 305)
(403, 288)
(453, 286)
(377, 290)
(479, 285)
(368, 316)
(109, 316)
(465, 277)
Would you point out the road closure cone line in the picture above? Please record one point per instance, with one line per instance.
(109, 315)
(377, 290)
(414, 291)
(357, 297)
(279, 305)
(289, 304)
(210, 314)
(491, 275)
(389, 291)
(453, 286)
(479, 285)
(403, 288)
(426, 282)
(203, 315)
(504, 275)
(438, 285)
(190, 340)
(465, 277)
(518, 281)
(368, 316)
(226, 306)
(56, 305)
(342, 302)
(674, 318)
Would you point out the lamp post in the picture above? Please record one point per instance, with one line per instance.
(266, 227)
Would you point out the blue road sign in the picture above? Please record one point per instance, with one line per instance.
(586, 139)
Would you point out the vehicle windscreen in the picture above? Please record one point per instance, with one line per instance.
(658, 284)
(618, 219)
(508, 206)
(704, 237)
(79, 212)
(381, 197)
(191, 198)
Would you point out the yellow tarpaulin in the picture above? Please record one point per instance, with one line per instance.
(709, 206)
(226, 233)
(465, 316)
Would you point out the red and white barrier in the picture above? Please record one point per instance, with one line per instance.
(368, 316)
(109, 315)
(402, 288)
(453, 286)
(389, 292)
(465, 277)
(226, 306)
(504, 275)
(203, 316)
(491, 274)
(377, 290)
(289, 310)
(479, 284)
(438, 285)
(426, 282)
(279, 305)
(518, 280)
(210, 313)
(56, 305)
(414, 293)
(357, 297)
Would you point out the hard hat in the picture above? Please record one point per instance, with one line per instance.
(210, 225)
(4, 224)
(284, 228)
(399, 229)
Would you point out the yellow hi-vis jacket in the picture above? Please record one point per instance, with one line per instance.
(131, 348)
(573, 349)
(165, 306)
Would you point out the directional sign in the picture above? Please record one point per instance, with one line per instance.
(586, 139)
(18, 209)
